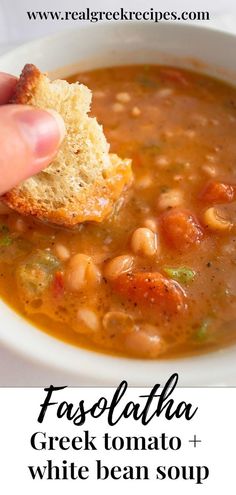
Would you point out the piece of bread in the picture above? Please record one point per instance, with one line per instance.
(83, 182)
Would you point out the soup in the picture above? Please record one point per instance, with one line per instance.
(157, 279)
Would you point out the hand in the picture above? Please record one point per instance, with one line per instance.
(29, 138)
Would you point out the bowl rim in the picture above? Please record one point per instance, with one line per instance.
(107, 25)
(96, 367)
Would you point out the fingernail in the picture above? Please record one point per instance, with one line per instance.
(44, 131)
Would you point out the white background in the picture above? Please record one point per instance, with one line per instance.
(214, 425)
(15, 29)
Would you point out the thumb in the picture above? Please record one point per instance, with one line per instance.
(29, 140)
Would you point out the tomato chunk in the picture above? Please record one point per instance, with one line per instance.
(180, 229)
(151, 289)
(58, 285)
(174, 76)
(218, 192)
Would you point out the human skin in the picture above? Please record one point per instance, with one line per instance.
(29, 137)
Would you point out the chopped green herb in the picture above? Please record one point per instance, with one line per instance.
(4, 228)
(176, 168)
(146, 81)
(164, 189)
(182, 274)
(6, 240)
(36, 273)
(231, 104)
(151, 148)
(202, 331)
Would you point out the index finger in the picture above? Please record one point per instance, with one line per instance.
(7, 86)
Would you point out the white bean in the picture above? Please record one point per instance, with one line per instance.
(123, 97)
(170, 199)
(145, 342)
(89, 318)
(135, 111)
(118, 107)
(214, 221)
(151, 224)
(80, 272)
(62, 252)
(162, 161)
(144, 242)
(165, 92)
(115, 267)
(209, 170)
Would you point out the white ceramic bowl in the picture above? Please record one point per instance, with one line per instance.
(94, 46)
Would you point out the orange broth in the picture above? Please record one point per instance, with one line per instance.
(176, 292)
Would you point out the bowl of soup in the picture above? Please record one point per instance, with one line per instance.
(152, 289)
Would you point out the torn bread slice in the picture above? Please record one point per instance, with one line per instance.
(83, 182)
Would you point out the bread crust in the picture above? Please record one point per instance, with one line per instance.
(92, 211)
(26, 85)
